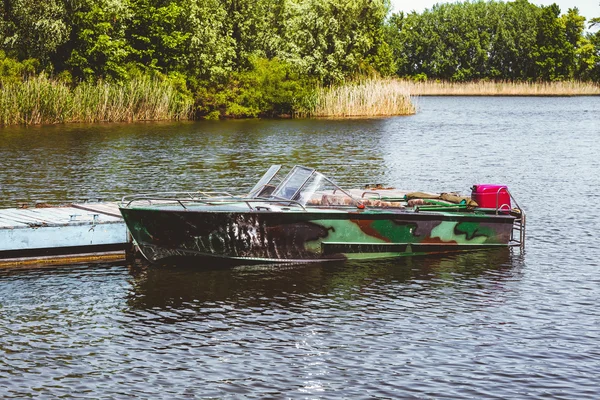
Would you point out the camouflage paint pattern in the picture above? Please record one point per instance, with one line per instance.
(312, 235)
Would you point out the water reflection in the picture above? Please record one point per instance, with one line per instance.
(290, 286)
(74, 162)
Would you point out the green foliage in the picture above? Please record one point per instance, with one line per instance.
(587, 49)
(589, 57)
(330, 39)
(255, 27)
(382, 62)
(553, 51)
(513, 41)
(248, 58)
(12, 71)
(210, 49)
(419, 78)
(157, 35)
(32, 28)
(489, 40)
(271, 88)
(586, 59)
(99, 47)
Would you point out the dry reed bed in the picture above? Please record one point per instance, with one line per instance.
(433, 88)
(364, 98)
(44, 101)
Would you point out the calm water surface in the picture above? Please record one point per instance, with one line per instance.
(497, 324)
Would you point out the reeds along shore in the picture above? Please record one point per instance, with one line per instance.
(364, 98)
(486, 88)
(385, 97)
(40, 100)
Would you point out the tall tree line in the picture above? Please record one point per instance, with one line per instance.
(207, 39)
(495, 40)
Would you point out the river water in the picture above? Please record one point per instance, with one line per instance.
(498, 324)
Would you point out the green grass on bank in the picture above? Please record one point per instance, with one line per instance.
(39, 100)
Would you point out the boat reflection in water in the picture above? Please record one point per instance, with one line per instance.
(201, 289)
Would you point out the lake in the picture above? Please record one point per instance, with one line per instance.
(493, 324)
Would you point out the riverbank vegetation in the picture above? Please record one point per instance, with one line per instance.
(39, 100)
(492, 88)
(367, 97)
(108, 60)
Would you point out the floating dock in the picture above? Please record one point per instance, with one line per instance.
(78, 233)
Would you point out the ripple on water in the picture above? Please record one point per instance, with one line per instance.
(456, 326)
(477, 325)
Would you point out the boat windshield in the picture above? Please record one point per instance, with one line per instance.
(292, 185)
(262, 184)
(301, 185)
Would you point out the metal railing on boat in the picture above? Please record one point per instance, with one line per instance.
(208, 198)
(518, 224)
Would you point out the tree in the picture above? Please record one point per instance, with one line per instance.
(33, 29)
(157, 34)
(489, 40)
(210, 48)
(514, 41)
(98, 46)
(332, 39)
(589, 55)
(548, 55)
(255, 26)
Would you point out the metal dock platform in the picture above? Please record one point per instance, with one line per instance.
(85, 232)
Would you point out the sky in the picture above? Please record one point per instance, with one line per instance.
(588, 8)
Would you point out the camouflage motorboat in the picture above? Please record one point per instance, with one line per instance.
(303, 216)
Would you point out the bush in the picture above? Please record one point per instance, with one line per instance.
(271, 88)
(12, 71)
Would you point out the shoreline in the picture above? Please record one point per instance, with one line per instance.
(509, 89)
(160, 102)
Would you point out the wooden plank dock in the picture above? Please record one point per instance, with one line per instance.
(83, 232)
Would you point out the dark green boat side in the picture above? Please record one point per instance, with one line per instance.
(311, 235)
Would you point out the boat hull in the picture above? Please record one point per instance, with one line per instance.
(308, 236)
